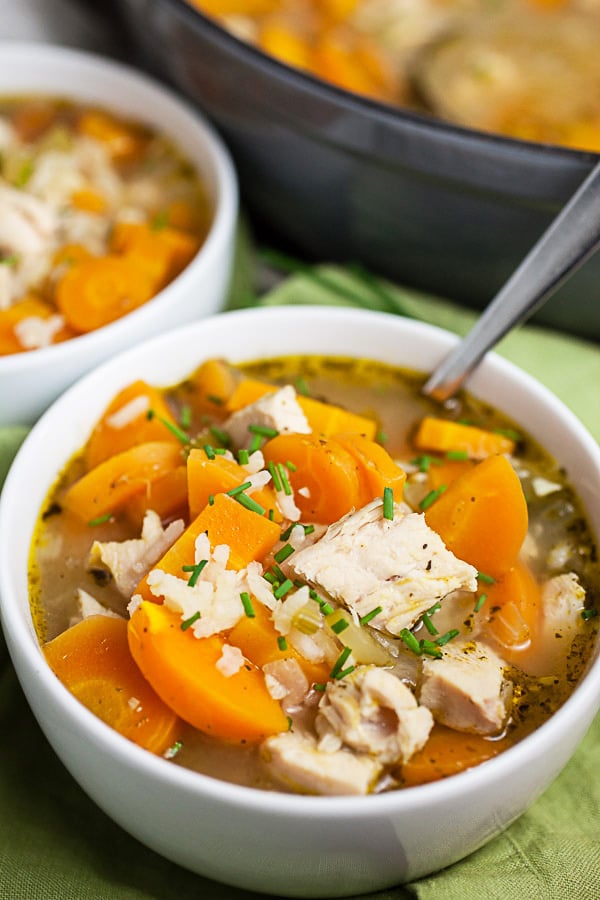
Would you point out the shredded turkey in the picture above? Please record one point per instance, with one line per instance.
(279, 410)
(399, 565)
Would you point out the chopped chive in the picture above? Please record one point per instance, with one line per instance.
(340, 662)
(343, 672)
(249, 503)
(429, 624)
(243, 457)
(195, 570)
(100, 520)
(319, 686)
(219, 451)
(209, 451)
(340, 626)
(509, 433)
(160, 220)
(247, 604)
(423, 462)
(10, 259)
(457, 454)
(276, 480)
(283, 553)
(480, 601)
(487, 579)
(381, 437)
(449, 636)
(211, 499)
(287, 489)
(308, 529)
(185, 416)
(173, 750)
(302, 387)
(279, 573)
(282, 642)
(283, 589)
(271, 515)
(290, 465)
(431, 497)
(270, 577)
(220, 435)
(263, 431)
(254, 444)
(431, 649)
(174, 429)
(364, 620)
(189, 622)
(238, 489)
(388, 503)
(214, 398)
(285, 535)
(410, 641)
(589, 614)
(435, 608)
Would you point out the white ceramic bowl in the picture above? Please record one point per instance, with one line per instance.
(30, 381)
(277, 843)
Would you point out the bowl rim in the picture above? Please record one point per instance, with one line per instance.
(225, 192)
(370, 107)
(584, 700)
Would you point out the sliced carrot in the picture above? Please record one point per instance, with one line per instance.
(207, 477)
(248, 535)
(443, 472)
(325, 419)
(449, 752)
(183, 671)
(167, 496)
(164, 252)
(89, 200)
(92, 659)
(125, 423)
(102, 289)
(30, 307)
(376, 468)
(285, 43)
(256, 637)
(443, 436)
(125, 142)
(212, 384)
(71, 254)
(110, 485)
(513, 606)
(324, 476)
(482, 516)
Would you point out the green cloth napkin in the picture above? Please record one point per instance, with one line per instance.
(55, 843)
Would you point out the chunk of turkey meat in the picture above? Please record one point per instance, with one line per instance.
(278, 409)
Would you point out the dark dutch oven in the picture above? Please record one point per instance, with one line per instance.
(338, 177)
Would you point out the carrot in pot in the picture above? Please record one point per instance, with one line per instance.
(167, 496)
(448, 752)
(208, 477)
(443, 436)
(482, 516)
(376, 468)
(249, 536)
(29, 307)
(124, 142)
(125, 422)
(110, 485)
(184, 672)
(93, 660)
(512, 607)
(212, 384)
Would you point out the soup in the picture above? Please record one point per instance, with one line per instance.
(301, 575)
(524, 68)
(97, 215)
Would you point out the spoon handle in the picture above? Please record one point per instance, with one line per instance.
(571, 238)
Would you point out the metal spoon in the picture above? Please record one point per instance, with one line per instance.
(572, 237)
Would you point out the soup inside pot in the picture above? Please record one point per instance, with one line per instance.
(302, 575)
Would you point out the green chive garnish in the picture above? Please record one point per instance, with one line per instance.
(270, 577)
(480, 601)
(388, 503)
(209, 451)
(243, 457)
(435, 608)
(589, 614)
(410, 640)
(276, 480)
(185, 417)
(287, 490)
(381, 437)
(290, 465)
(282, 642)
(429, 624)
(100, 520)
(160, 220)
(509, 433)
(247, 604)
(211, 499)
(423, 462)
(218, 401)
(340, 626)
(195, 570)
(271, 515)
(283, 589)
(254, 444)
(249, 503)
(340, 662)
(430, 648)
(263, 431)
(459, 455)
(283, 553)
(174, 429)
(234, 491)
(319, 686)
(220, 435)
(364, 620)
(449, 636)
(188, 622)
(279, 573)
(487, 579)
(431, 497)
(302, 387)
(343, 672)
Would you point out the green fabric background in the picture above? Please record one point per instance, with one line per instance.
(56, 845)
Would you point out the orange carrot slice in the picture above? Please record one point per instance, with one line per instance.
(448, 752)
(376, 468)
(207, 477)
(92, 659)
(183, 671)
(443, 436)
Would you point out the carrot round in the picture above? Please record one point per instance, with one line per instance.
(448, 752)
(482, 516)
(92, 659)
(443, 436)
(108, 487)
(183, 671)
(376, 468)
(513, 606)
(324, 476)
(100, 290)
